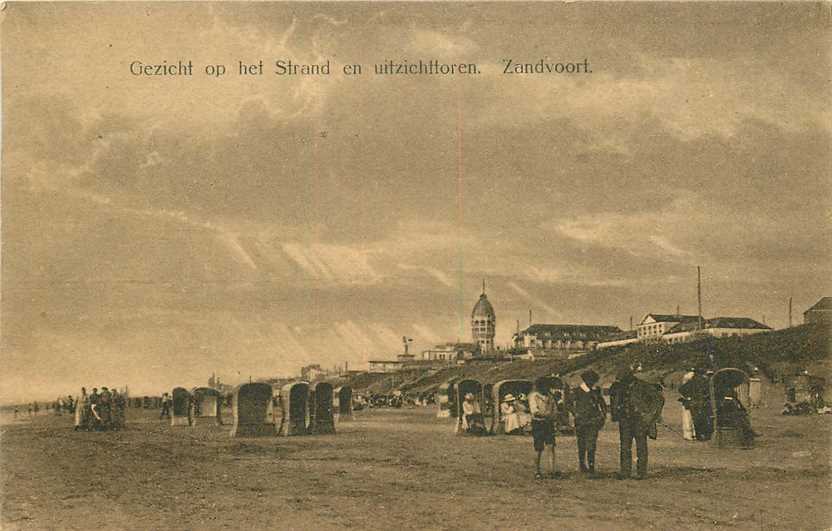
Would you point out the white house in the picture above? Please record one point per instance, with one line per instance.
(655, 325)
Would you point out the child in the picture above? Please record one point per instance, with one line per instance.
(542, 408)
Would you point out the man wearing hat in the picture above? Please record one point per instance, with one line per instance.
(590, 414)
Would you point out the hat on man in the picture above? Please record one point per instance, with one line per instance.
(508, 398)
(469, 396)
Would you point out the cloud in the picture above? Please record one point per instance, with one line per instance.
(536, 302)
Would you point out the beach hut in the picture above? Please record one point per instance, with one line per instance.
(294, 409)
(445, 396)
(250, 405)
(730, 404)
(342, 403)
(321, 417)
(207, 405)
(498, 393)
(462, 388)
(805, 388)
(180, 414)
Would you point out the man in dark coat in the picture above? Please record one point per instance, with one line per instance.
(636, 406)
(590, 414)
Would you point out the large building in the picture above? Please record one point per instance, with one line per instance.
(483, 324)
(451, 352)
(655, 325)
(563, 339)
(715, 327)
(821, 312)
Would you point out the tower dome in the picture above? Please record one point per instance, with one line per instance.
(483, 323)
(483, 309)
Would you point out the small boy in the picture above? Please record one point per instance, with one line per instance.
(542, 406)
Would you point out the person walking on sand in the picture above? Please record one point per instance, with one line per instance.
(542, 409)
(590, 414)
(165, 413)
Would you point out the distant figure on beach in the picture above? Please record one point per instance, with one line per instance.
(166, 403)
(81, 410)
(118, 405)
(94, 419)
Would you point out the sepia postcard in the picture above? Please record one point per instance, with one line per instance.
(415, 265)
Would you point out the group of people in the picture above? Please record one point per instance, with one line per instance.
(100, 410)
(515, 413)
(698, 421)
(634, 404)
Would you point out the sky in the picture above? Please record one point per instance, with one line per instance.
(158, 229)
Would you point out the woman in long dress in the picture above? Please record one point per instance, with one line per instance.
(81, 410)
(524, 418)
(471, 421)
(687, 418)
(511, 421)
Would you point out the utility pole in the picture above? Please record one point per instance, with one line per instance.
(699, 293)
(790, 312)
(530, 316)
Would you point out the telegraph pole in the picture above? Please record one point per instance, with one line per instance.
(790, 312)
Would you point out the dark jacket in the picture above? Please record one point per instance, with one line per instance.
(590, 408)
(696, 391)
(636, 402)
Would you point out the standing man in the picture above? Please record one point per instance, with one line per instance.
(636, 406)
(542, 409)
(165, 407)
(590, 414)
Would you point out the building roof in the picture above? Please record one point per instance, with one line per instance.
(670, 318)
(571, 331)
(627, 334)
(483, 308)
(735, 322)
(720, 322)
(824, 304)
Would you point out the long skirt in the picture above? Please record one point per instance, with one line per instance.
(687, 425)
